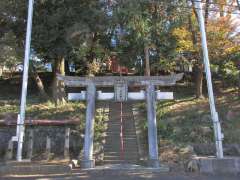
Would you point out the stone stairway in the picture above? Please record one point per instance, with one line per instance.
(112, 147)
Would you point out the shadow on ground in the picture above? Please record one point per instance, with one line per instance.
(123, 175)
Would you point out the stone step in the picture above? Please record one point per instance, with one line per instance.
(126, 143)
(117, 118)
(112, 147)
(117, 134)
(125, 126)
(125, 133)
(119, 156)
(119, 141)
(118, 150)
(116, 153)
(118, 145)
(124, 155)
(118, 124)
(128, 132)
(114, 161)
(119, 162)
(118, 129)
(115, 143)
(109, 135)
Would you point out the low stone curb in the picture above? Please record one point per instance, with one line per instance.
(18, 168)
(211, 165)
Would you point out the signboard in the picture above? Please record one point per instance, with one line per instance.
(121, 91)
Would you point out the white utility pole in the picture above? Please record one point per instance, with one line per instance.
(216, 124)
(20, 125)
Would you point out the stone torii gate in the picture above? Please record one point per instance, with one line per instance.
(121, 94)
(214, 114)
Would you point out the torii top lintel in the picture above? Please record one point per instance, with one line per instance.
(73, 81)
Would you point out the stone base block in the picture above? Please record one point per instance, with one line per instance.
(211, 165)
(29, 168)
(154, 163)
(87, 164)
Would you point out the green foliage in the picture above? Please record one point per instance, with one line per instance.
(148, 24)
(223, 45)
(9, 52)
(229, 72)
(12, 28)
(164, 65)
(72, 29)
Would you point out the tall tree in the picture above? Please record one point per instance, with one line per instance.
(38, 81)
(238, 3)
(149, 26)
(223, 44)
(12, 34)
(207, 11)
(63, 27)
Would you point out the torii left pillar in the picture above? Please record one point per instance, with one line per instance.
(88, 161)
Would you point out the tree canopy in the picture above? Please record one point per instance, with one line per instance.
(86, 33)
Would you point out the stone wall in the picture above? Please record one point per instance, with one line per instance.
(56, 134)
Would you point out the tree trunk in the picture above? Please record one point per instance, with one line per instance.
(198, 75)
(239, 83)
(67, 70)
(222, 4)
(207, 12)
(238, 3)
(38, 82)
(221, 10)
(58, 86)
(1, 70)
(199, 80)
(199, 67)
(147, 62)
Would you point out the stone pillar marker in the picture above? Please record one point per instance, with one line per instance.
(30, 144)
(9, 154)
(152, 127)
(48, 148)
(66, 143)
(88, 161)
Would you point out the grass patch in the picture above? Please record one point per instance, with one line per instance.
(187, 120)
(38, 109)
